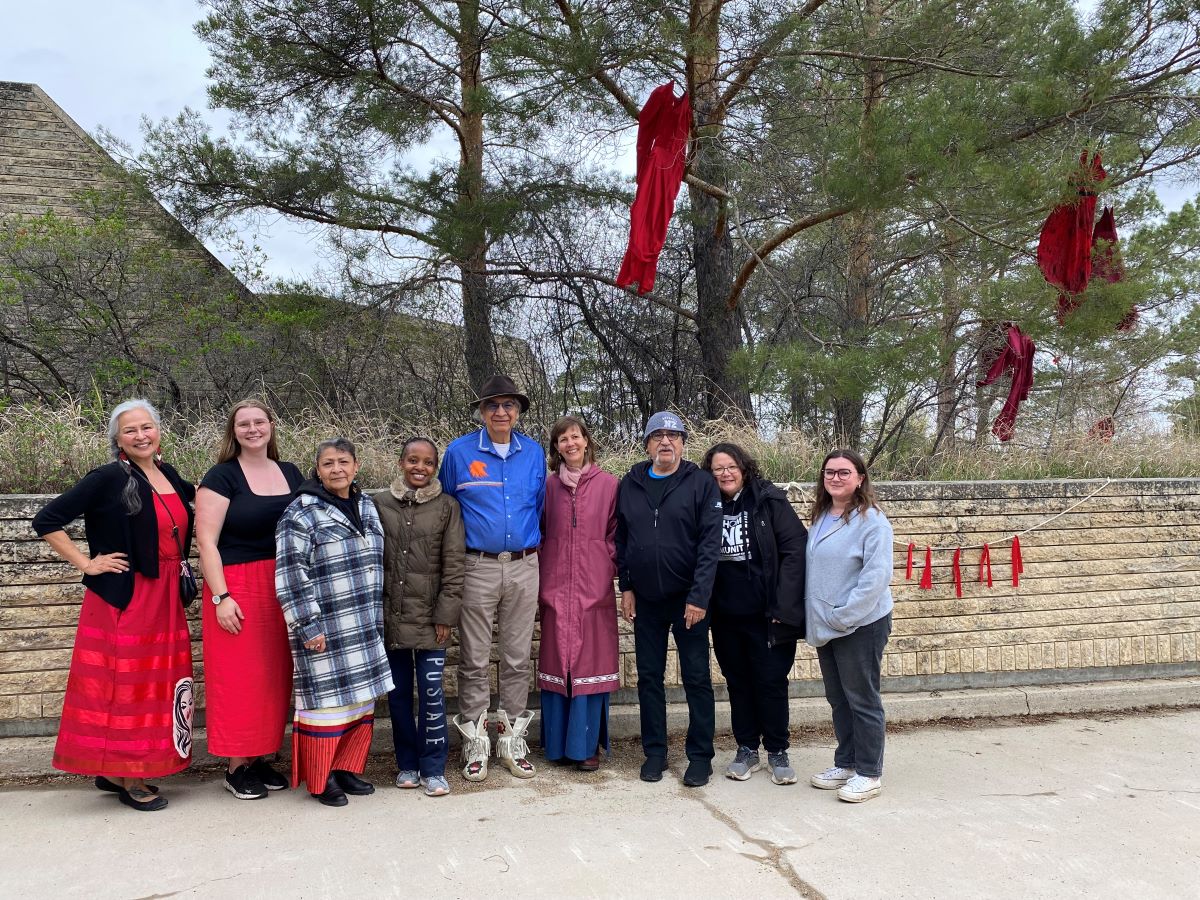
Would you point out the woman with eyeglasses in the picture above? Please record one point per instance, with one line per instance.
(848, 606)
(757, 609)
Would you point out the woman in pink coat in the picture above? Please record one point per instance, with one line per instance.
(578, 661)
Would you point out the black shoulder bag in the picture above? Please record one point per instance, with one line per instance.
(188, 588)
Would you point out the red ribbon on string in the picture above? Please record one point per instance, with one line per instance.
(908, 568)
(985, 565)
(927, 574)
(957, 573)
(1018, 565)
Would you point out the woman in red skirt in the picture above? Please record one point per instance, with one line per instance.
(247, 660)
(127, 714)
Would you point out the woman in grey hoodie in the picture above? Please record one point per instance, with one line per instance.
(848, 611)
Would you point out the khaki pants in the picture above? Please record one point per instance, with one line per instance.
(507, 592)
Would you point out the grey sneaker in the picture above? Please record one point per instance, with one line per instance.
(435, 786)
(408, 779)
(781, 770)
(832, 778)
(745, 764)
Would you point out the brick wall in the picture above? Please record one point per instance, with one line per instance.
(1110, 590)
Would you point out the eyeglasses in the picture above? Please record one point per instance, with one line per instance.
(508, 406)
(666, 435)
(722, 470)
(834, 474)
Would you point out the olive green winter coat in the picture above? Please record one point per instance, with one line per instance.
(423, 563)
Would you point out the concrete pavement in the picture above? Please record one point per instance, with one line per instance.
(1097, 806)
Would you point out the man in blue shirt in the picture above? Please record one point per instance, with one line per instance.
(498, 476)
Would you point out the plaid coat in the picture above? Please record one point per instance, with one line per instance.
(329, 580)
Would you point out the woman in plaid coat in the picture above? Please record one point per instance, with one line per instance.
(329, 580)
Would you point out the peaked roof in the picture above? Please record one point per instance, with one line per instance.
(47, 160)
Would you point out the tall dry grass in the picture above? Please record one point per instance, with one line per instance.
(47, 449)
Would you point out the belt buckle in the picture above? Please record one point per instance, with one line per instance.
(504, 556)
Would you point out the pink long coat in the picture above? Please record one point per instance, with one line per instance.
(577, 597)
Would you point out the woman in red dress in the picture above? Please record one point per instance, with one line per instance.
(127, 714)
(247, 660)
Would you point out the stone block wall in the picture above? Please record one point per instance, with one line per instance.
(1111, 589)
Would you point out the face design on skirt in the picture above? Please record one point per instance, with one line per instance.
(184, 704)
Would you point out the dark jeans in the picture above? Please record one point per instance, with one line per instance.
(421, 743)
(655, 618)
(850, 669)
(756, 677)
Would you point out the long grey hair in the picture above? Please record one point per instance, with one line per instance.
(130, 497)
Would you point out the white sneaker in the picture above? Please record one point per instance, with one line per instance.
(860, 788)
(832, 778)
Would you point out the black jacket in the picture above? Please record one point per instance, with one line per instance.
(673, 550)
(110, 529)
(777, 569)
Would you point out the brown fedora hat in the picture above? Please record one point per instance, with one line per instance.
(501, 386)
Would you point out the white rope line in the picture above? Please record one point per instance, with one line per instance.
(1017, 534)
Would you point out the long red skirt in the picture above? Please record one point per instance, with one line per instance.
(247, 676)
(128, 708)
(327, 739)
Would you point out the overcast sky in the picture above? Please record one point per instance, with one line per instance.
(110, 62)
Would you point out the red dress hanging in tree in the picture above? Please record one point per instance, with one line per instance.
(1065, 248)
(1016, 357)
(663, 127)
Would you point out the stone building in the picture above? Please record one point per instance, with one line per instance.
(204, 339)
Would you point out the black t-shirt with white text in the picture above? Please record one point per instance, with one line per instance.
(734, 591)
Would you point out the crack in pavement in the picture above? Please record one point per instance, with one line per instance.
(1038, 794)
(774, 853)
(1028, 707)
(191, 887)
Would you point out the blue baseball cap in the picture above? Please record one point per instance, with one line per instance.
(664, 421)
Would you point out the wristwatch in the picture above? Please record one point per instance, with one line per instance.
(217, 598)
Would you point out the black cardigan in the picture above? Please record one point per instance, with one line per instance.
(777, 569)
(110, 529)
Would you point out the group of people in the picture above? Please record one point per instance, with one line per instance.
(319, 600)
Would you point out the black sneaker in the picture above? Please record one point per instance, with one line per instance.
(653, 768)
(698, 772)
(242, 783)
(267, 776)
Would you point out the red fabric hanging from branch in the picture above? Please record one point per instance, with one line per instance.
(1016, 357)
(1106, 261)
(663, 127)
(1065, 247)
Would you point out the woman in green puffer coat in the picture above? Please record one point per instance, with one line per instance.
(423, 564)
